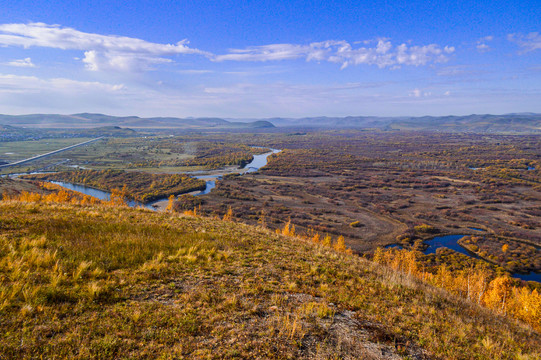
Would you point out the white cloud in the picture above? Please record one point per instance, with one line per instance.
(449, 49)
(30, 94)
(528, 43)
(481, 43)
(415, 93)
(483, 47)
(268, 53)
(126, 54)
(101, 52)
(382, 54)
(17, 83)
(96, 61)
(447, 93)
(27, 62)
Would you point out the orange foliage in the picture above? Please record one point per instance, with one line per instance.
(118, 196)
(288, 230)
(60, 197)
(228, 216)
(501, 294)
(170, 203)
(338, 246)
(191, 212)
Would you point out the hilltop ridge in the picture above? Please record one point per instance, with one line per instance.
(112, 282)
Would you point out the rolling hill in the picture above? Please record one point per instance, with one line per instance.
(87, 120)
(108, 282)
(526, 123)
(520, 123)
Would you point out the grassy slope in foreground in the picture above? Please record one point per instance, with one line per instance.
(98, 282)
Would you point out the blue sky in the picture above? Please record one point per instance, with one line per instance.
(256, 59)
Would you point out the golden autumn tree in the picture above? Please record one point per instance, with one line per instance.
(498, 293)
(118, 196)
(170, 202)
(228, 216)
(288, 230)
(340, 244)
(327, 241)
(526, 305)
(502, 294)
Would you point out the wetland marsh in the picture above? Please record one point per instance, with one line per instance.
(373, 188)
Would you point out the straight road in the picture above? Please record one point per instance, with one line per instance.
(48, 154)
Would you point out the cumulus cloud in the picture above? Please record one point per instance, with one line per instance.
(27, 62)
(101, 52)
(415, 93)
(126, 54)
(530, 42)
(97, 61)
(482, 45)
(382, 54)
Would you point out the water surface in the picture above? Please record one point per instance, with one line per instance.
(97, 193)
(257, 163)
(476, 229)
(451, 242)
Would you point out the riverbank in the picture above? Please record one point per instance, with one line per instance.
(209, 176)
(453, 242)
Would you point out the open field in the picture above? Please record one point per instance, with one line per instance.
(47, 154)
(18, 150)
(157, 154)
(115, 282)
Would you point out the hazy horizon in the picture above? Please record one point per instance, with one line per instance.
(247, 119)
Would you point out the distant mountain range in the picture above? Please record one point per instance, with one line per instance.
(508, 123)
(523, 123)
(87, 120)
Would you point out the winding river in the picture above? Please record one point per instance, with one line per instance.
(451, 242)
(210, 178)
(97, 193)
(447, 241)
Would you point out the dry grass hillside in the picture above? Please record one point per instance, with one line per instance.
(114, 282)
